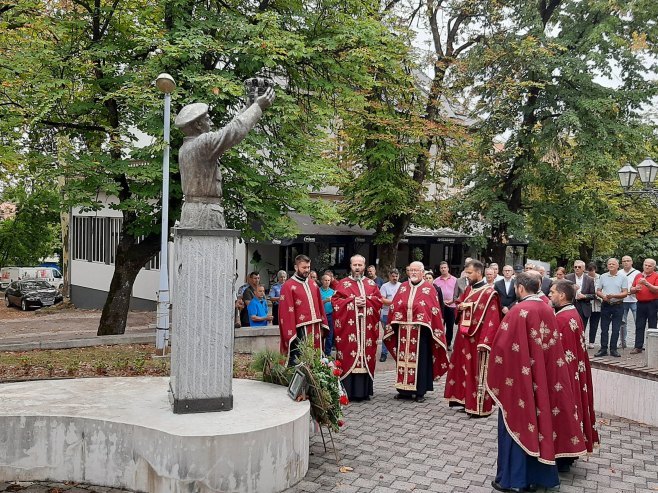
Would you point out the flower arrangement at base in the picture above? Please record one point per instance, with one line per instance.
(324, 390)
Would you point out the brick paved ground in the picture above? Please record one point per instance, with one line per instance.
(439, 449)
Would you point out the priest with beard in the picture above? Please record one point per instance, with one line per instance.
(479, 315)
(301, 311)
(415, 336)
(572, 335)
(539, 420)
(356, 304)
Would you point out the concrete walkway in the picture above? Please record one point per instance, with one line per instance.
(397, 446)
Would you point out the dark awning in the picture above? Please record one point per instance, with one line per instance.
(311, 232)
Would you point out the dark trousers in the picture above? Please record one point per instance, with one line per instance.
(611, 314)
(647, 311)
(515, 468)
(594, 326)
(581, 312)
(329, 341)
(449, 320)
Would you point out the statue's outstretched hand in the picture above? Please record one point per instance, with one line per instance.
(266, 100)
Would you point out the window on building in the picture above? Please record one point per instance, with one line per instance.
(95, 239)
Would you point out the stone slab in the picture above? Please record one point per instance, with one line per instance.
(121, 432)
(251, 340)
(204, 275)
(628, 396)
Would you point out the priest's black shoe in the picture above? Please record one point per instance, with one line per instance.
(615, 354)
(498, 487)
(602, 352)
(531, 488)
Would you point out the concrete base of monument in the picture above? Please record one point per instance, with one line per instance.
(121, 432)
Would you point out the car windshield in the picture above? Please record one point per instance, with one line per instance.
(26, 286)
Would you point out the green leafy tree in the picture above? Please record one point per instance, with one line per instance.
(402, 135)
(560, 93)
(32, 234)
(81, 72)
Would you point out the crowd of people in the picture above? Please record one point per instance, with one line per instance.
(515, 341)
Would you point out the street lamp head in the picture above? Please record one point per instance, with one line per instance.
(647, 170)
(165, 83)
(627, 176)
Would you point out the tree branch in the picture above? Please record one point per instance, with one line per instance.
(546, 10)
(390, 5)
(78, 126)
(479, 38)
(84, 5)
(452, 32)
(109, 18)
(434, 27)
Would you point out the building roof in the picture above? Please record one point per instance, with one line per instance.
(309, 230)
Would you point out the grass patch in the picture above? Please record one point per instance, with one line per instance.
(98, 361)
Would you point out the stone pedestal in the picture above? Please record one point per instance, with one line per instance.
(204, 270)
(121, 433)
(652, 348)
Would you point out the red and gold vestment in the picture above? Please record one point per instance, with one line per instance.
(572, 335)
(529, 379)
(415, 308)
(300, 305)
(356, 329)
(479, 319)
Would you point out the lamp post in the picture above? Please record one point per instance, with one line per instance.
(646, 171)
(166, 84)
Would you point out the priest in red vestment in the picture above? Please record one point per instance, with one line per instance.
(357, 303)
(530, 381)
(479, 315)
(301, 311)
(415, 336)
(572, 335)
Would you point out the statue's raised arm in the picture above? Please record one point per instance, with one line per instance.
(201, 178)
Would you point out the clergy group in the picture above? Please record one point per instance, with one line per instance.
(531, 362)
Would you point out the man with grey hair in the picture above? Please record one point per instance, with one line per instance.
(645, 288)
(612, 288)
(415, 336)
(275, 293)
(585, 290)
(630, 302)
(201, 178)
(496, 269)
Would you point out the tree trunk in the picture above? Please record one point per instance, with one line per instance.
(388, 252)
(130, 258)
(388, 256)
(586, 251)
(495, 251)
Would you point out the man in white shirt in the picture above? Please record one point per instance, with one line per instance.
(494, 266)
(388, 291)
(585, 290)
(630, 302)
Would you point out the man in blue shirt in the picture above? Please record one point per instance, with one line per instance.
(257, 308)
(612, 288)
(275, 294)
